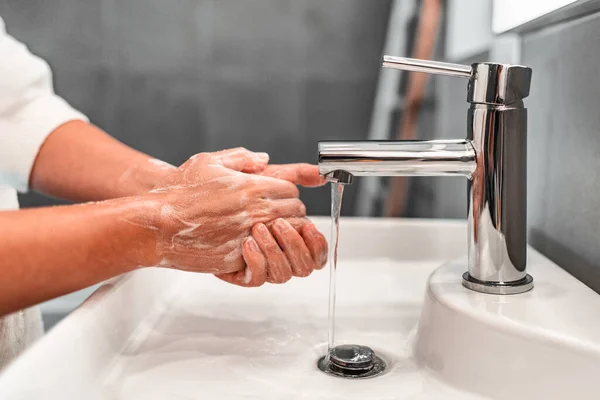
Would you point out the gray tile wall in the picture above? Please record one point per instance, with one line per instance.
(176, 77)
(564, 145)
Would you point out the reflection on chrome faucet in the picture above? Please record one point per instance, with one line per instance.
(493, 158)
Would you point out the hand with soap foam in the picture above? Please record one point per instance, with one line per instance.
(244, 227)
(243, 160)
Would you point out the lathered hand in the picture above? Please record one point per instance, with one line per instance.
(245, 228)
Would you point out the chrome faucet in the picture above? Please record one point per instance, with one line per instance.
(493, 158)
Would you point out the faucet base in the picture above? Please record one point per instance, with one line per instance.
(515, 287)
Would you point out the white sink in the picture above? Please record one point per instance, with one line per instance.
(164, 334)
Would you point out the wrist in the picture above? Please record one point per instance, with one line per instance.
(141, 219)
(143, 176)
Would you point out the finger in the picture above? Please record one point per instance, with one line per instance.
(294, 247)
(287, 208)
(255, 273)
(316, 243)
(241, 159)
(298, 174)
(279, 269)
(270, 188)
(297, 223)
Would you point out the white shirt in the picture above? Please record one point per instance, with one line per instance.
(29, 112)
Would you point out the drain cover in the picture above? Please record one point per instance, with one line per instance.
(352, 361)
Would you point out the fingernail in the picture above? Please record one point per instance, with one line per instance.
(252, 244)
(262, 228)
(280, 224)
(247, 275)
(263, 157)
(323, 258)
(313, 230)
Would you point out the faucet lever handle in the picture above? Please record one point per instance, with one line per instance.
(427, 66)
(489, 83)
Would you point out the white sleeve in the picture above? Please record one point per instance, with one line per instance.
(29, 110)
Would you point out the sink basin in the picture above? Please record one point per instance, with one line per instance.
(165, 334)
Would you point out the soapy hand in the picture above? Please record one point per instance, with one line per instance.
(216, 219)
(242, 160)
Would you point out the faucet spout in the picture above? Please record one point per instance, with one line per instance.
(397, 158)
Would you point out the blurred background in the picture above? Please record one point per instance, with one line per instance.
(173, 78)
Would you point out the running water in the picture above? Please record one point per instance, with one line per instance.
(347, 360)
(337, 190)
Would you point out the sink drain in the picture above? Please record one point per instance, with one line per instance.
(352, 361)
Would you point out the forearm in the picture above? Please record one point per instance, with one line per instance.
(49, 252)
(80, 162)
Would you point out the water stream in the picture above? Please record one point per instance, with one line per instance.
(345, 360)
(337, 191)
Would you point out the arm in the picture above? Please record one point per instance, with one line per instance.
(202, 227)
(49, 252)
(80, 162)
